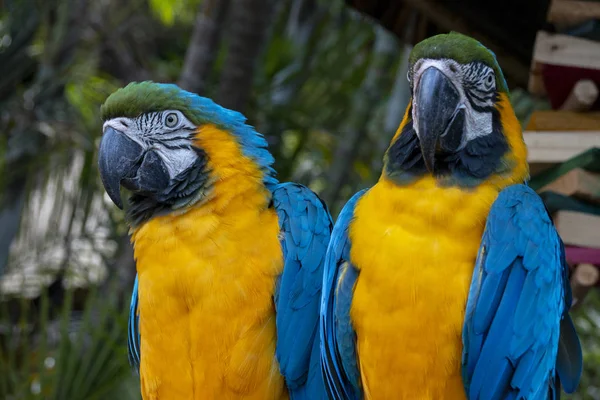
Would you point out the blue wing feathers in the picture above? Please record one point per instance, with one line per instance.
(569, 360)
(490, 296)
(313, 389)
(338, 352)
(133, 332)
(523, 371)
(486, 380)
(305, 227)
(344, 336)
(518, 296)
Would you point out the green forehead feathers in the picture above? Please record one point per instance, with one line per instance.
(461, 48)
(143, 97)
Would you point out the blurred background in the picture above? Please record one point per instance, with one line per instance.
(323, 80)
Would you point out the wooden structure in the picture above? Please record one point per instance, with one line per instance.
(571, 192)
(565, 68)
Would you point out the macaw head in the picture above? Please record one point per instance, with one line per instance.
(459, 125)
(158, 142)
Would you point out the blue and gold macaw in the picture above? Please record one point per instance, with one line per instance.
(229, 261)
(447, 279)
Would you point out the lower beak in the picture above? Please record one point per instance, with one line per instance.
(119, 158)
(436, 102)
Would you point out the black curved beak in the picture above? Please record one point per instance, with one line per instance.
(118, 159)
(436, 102)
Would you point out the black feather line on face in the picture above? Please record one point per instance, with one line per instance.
(403, 161)
(182, 189)
(481, 158)
(495, 97)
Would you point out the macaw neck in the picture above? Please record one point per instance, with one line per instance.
(232, 200)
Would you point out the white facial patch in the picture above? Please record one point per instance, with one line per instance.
(178, 160)
(473, 78)
(168, 133)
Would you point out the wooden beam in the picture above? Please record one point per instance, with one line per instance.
(536, 85)
(577, 228)
(550, 155)
(560, 120)
(566, 50)
(573, 12)
(577, 183)
(557, 146)
(451, 22)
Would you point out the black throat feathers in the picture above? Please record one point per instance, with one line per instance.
(481, 158)
(189, 187)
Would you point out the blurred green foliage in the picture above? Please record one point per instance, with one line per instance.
(68, 354)
(587, 321)
(325, 76)
(170, 11)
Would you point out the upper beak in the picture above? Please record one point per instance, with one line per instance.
(118, 159)
(436, 103)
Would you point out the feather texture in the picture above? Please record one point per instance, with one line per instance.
(305, 227)
(228, 292)
(226, 298)
(338, 340)
(518, 297)
(133, 330)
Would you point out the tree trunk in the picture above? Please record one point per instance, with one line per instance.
(249, 24)
(400, 94)
(399, 97)
(203, 45)
(302, 30)
(367, 97)
(394, 111)
(11, 208)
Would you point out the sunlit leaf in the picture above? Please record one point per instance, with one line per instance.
(168, 11)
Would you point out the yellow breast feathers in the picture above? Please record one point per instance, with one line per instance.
(206, 279)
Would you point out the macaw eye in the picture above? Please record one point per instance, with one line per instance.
(171, 120)
(489, 80)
